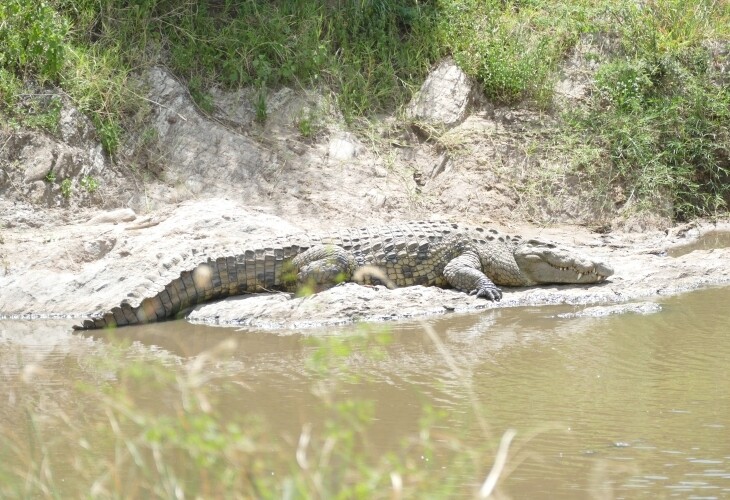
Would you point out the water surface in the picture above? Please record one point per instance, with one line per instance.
(623, 406)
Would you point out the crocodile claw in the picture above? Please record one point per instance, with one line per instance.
(489, 293)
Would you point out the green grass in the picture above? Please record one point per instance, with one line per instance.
(66, 188)
(512, 49)
(656, 119)
(32, 38)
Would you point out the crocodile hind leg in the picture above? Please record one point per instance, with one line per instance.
(322, 266)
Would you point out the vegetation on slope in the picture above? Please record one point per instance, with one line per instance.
(656, 122)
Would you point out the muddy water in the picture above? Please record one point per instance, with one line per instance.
(623, 406)
(708, 241)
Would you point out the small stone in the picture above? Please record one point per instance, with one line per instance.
(380, 172)
(342, 148)
(376, 197)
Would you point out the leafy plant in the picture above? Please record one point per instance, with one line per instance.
(306, 125)
(110, 132)
(97, 80)
(511, 51)
(32, 38)
(10, 89)
(28, 107)
(261, 106)
(89, 183)
(625, 84)
(201, 97)
(66, 188)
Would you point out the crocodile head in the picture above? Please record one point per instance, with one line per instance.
(543, 262)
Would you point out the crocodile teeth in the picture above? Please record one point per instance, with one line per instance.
(580, 275)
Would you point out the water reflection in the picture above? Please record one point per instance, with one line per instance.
(708, 241)
(612, 405)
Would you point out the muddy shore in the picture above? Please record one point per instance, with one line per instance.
(93, 261)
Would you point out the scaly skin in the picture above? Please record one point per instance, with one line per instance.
(470, 259)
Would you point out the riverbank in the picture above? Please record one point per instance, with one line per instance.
(92, 260)
(110, 176)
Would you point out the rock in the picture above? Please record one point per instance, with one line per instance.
(37, 192)
(444, 98)
(342, 147)
(39, 162)
(439, 166)
(113, 217)
(377, 197)
(283, 108)
(80, 267)
(339, 305)
(76, 128)
(236, 107)
(379, 171)
(202, 155)
(39, 158)
(96, 249)
(76, 268)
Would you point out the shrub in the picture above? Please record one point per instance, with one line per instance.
(31, 38)
(663, 127)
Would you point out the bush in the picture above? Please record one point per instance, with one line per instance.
(511, 49)
(657, 115)
(31, 39)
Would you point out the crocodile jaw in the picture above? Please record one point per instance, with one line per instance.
(542, 262)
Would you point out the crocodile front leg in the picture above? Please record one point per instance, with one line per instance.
(465, 273)
(324, 265)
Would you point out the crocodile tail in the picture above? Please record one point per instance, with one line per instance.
(215, 278)
(251, 271)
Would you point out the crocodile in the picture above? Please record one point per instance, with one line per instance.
(471, 259)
